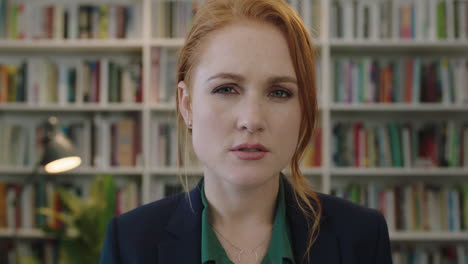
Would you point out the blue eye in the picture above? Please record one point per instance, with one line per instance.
(224, 90)
(281, 94)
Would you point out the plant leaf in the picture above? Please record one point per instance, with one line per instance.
(74, 203)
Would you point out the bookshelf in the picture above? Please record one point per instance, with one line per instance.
(154, 41)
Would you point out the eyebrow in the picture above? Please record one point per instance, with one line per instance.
(240, 78)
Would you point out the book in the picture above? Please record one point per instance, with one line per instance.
(412, 207)
(3, 205)
(44, 20)
(394, 144)
(125, 141)
(3, 18)
(409, 80)
(399, 19)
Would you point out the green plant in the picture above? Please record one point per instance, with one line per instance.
(85, 221)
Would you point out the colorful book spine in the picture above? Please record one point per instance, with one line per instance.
(409, 80)
(69, 20)
(412, 207)
(397, 144)
(411, 20)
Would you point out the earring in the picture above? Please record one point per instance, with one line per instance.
(190, 124)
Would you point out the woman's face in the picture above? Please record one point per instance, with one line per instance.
(244, 92)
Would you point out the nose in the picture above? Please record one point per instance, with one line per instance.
(251, 116)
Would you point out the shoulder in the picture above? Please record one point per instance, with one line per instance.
(148, 219)
(352, 220)
(361, 232)
(134, 236)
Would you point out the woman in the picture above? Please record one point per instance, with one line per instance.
(247, 100)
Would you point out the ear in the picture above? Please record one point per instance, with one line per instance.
(185, 104)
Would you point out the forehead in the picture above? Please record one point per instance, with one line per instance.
(248, 48)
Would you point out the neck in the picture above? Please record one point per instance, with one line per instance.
(238, 207)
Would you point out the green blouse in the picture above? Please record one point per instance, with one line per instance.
(279, 250)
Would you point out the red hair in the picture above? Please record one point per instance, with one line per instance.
(213, 15)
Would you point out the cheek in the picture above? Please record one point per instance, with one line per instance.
(288, 129)
(288, 117)
(210, 124)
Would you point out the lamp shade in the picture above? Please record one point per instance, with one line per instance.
(59, 153)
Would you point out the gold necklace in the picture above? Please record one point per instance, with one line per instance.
(240, 250)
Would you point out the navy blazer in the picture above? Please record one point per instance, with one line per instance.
(168, 231)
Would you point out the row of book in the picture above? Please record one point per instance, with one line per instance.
(24, 141)
(456, 254)
(163, 75)
(69, 81)
(164, 152)
(13, 252)
(171, 19)
(127, 197)
(28, 251)
(413, 207)
(401, 80)
(14, 139)
(164, 147)
(19, 204)
(400, 144)
(102, 142)
(117, 141)
(400, 19)
(310, 12)
(42, 20)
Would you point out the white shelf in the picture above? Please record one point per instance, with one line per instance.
(398, 107)
(84, 107)
(167, 42)
(73, 45)
(15, 170)
(445, 172)
(399, 45)
(136, 171)
(398, 236)
(21, 170)
(23, 233)
(401, 236)
(163, 107)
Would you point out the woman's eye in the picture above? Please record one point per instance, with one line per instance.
(224, 89)
(280, 93)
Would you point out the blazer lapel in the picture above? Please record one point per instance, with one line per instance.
(325, 249)
(183, 244)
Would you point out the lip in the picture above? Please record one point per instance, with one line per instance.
(248, 145)
(250, 155)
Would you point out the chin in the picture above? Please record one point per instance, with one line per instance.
(249, 178)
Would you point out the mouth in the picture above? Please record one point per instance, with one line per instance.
(246, 147)
(250, 151)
